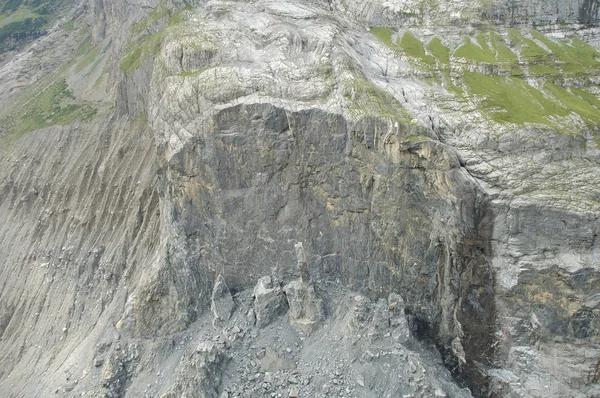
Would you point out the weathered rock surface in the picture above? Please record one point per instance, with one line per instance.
(269, 301)
(221, 301)
(306, 309)
(444, 150)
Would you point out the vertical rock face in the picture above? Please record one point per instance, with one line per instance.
(449, 163)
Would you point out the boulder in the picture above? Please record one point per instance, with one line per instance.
(307, 311)
(269, 301)
(221, 303)
(398, 322)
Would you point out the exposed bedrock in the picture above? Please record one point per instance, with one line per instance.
(448, 164)
(379, 211)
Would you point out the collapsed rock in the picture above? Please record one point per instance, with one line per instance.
(221, 303)
(302, 264)
(380, 318)
(306, 306)
(269, 302)
(398, 322)
(201, 373)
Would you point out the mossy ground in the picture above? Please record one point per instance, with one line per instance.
(503, 94)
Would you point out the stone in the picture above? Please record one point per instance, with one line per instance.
(398, 321)
(222, 304)
(381, 319)
(294, 393)
(266, 123)
(302, 264)
(360, 381)
(269, 302)
(306, 308)
(251, 316)
(272, 362)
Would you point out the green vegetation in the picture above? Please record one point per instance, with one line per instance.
(368, 100)
(586, 95)
(179, 17)
(19, 30)
(69, 26)
(509, 99)
(193, 73)
(442, 54)
(55, 105)
(479, 52)
(588, 112)
(25, 19)
(439, 51)
(384, 35)
(152, 19)
(87, 54)
(145, 47)
(148, 45)
(159, 13)
(18, 15)
(414, 48)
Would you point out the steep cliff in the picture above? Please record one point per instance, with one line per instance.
(446, 152)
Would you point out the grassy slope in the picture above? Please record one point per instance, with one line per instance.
(504, 95)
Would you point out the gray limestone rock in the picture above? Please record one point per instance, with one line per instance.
(302, 264)
(222, 304)
(226, 131)
(199, 374)
(269, 301)
(398, 321)
(381, 318)
(307, 310)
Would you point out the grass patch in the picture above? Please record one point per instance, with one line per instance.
(55, 105)
(586, 95)
(179, 17)
(511, 100)
(368, 100)
(69, 26)
(414, 48)
(543, 70)
(159, 12)
(143, 48)
(19, 30)
(475, 52)
(18, 15)
(193, 73)
(588, 112)
(384, 35)
(439, 51)
(88, 57)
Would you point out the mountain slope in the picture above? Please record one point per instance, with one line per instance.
(446, 152)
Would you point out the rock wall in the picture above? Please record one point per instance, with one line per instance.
(239, 129)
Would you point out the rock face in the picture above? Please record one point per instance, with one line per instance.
(443, 150)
